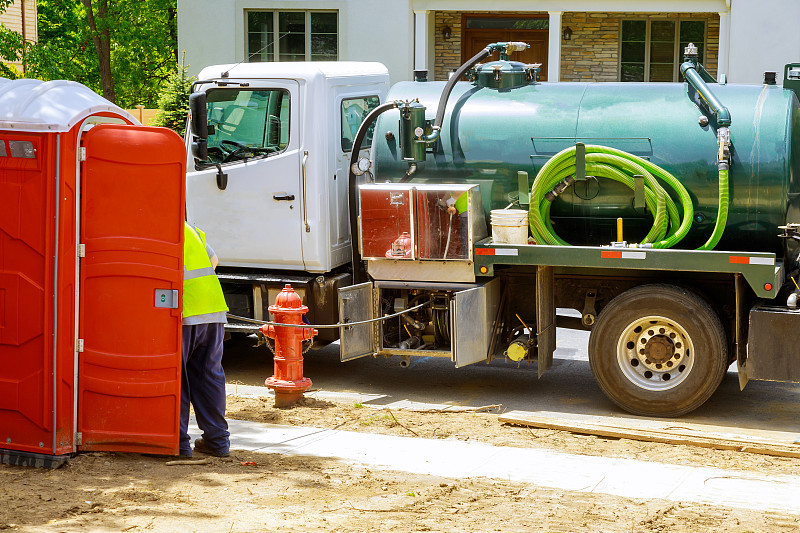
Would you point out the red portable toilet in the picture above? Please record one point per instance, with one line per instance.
(91, 260)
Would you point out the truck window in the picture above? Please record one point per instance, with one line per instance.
(246, 123)
(354, 110)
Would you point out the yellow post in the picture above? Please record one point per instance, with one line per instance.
(619, 229)
(140, 107)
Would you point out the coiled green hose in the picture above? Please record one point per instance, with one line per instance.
(669, 226)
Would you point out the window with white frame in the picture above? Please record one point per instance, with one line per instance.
(652, 50)
(292, 35)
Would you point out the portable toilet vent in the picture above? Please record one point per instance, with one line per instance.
(91, 260)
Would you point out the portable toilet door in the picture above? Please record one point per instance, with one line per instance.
(131, 277)
(49, 294)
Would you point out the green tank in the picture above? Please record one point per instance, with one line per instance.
(489, 134)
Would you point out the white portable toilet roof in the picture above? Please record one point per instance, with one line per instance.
(35, 105)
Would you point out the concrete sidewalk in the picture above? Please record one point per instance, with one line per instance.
(378, 401)
(545, 468)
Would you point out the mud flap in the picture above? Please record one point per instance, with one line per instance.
(742, 318)
(545, 318)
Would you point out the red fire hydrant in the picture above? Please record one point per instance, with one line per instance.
(288, 381)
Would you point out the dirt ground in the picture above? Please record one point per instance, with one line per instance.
(131, 492)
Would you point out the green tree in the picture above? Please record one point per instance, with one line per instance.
(173, 104)
(123, 49)
(64, 50)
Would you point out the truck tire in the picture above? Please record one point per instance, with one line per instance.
(658, 350)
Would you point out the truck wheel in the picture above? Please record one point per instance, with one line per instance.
(658, 350)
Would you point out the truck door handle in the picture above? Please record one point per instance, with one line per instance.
(305, 206)
(283, 196)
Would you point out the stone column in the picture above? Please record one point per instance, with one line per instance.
(724, 44)
(554, 47)
(421, 40)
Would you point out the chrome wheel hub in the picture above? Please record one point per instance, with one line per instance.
(655, 353)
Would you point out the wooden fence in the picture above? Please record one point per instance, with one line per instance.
(145, 116)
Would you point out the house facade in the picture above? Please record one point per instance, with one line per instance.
(573, 40)
(20, 16)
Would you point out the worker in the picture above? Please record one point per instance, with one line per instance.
(203, 319)
(459, 206)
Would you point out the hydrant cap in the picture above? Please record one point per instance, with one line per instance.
(288, 299)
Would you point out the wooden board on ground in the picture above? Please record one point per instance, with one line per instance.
(766, 442)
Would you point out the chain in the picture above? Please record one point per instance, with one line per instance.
(263, 339)
(272, 348)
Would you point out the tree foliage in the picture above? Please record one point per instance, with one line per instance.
(173, 104)
(123, 49)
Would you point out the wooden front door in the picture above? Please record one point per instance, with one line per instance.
(474, 40)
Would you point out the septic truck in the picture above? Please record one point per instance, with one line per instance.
(453, 219)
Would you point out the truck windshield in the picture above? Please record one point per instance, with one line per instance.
(246, 123)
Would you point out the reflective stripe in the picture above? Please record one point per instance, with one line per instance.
(198, 272)
(206, 318)
(620, 254)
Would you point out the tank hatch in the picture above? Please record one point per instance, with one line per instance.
(504, 75)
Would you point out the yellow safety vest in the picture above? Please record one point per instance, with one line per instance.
(202, 293)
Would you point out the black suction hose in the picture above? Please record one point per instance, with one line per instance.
(352, 201)
(448, 88)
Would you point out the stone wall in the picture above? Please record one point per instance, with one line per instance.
(591, 55)
(593, 52)
(447, 53)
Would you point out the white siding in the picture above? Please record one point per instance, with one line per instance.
(764, 36)
(763, 33)
(369, 30)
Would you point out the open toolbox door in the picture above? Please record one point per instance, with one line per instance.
(132, 212)
(355, 305)
(472, 313)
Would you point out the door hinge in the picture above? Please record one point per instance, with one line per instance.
(82, 154)
(78, 438)
(81, 250)
(79, 347)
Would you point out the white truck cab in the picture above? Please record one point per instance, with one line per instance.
(267, 181)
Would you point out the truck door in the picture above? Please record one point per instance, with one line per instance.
(255, 219)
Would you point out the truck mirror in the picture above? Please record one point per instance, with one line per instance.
(200, 149)
(197, 108)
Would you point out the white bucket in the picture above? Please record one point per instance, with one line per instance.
(509, 226)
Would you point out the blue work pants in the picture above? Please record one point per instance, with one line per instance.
(203, 384)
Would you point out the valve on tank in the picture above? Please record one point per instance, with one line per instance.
(413, 127)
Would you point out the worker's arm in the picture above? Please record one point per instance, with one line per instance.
(212, 256)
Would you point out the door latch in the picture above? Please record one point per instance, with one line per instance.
(167, 298)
